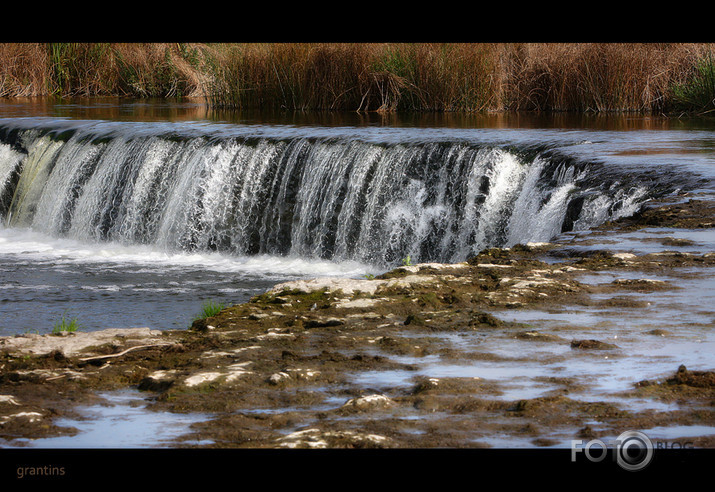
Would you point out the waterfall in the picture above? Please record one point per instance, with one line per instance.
(304, 193)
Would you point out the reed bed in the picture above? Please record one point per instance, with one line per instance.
(383, 77)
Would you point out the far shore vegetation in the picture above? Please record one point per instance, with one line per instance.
(649, 78)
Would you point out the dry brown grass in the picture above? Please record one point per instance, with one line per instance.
(23, 69)
(597, 77)
(386, 77)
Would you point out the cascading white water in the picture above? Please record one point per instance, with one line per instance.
(9, 162)
(307, 195)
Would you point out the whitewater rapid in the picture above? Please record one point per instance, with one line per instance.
(303, 193)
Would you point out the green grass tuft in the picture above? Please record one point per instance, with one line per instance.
(698, 93)
(65, 325)
(209, 309)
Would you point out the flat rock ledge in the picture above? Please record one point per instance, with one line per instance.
(71, 344)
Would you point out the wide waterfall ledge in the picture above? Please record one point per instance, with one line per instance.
(375, 196)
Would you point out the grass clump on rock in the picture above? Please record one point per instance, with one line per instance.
(65, 325)
(209, 309)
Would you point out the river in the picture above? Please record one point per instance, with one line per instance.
(124, 213)
(133, 214)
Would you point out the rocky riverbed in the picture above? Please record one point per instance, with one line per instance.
(423, 356)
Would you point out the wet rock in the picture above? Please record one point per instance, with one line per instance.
(625, 256)
(201, 325)
(428, 403)
(622, 302)
(399, 346)
(592, 345)
(659, 333)
(30, 417)
(496, 256)
(39, 376)
(278, 378)
(278, 300)
(414, 319)
(562, 409)
(158, 381)
(693, 214)
(8, 400)
(547, 404)
(77, 342)
(485, 319)
(367, 403)
(684, 387)
(433, 268)
(426, 385)
(586, 433)
(538, 337)
(642, 284)
(672, 241)
(202, 378)
(330, 285)
(323, 323)
(358, 303)
(697, 379)
(432, 390)
(321, 439)
(545, 442)
(600, 259)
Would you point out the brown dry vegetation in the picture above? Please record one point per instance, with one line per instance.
(361, 76)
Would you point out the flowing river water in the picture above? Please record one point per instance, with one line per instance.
(133, 215)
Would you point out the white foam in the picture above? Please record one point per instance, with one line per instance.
(28, 245)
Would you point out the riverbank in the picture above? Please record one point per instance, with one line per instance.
(423, 356)
(642, 78)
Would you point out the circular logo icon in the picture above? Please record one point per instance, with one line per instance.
(633, 450)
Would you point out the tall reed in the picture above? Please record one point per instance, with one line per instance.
(23, 69)
(386, 77)
(697, 93)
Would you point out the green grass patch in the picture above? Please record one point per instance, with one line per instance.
(65, 325)
(697, 94)
(209, 309)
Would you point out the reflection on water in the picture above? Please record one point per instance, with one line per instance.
(123, 422)
(194, 109)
